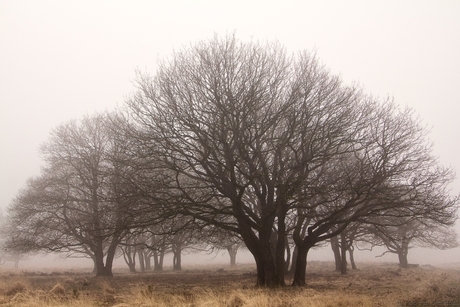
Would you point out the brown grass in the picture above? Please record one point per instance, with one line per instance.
(372, 285)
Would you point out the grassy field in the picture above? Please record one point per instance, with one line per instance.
(372, 285)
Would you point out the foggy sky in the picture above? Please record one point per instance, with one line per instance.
(60, 60)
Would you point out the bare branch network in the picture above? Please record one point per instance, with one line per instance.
(233, 143)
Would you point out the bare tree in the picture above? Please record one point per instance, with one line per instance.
(241, 124)
(84, 200)
(399, 234)
(255, 139)
(389, 172)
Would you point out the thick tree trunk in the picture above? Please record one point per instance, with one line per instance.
(402, 255)
(265, 264)
(99, 255)
(300, 266)
(105, 270)
(260, 247)
(260, 271)
(110, 257)
(268, 262)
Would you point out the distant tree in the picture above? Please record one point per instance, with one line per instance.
(344, 243)
(221, 239)
(85, 199)
(406, 233)
(7, 255)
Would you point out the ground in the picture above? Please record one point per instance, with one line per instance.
(371, 285)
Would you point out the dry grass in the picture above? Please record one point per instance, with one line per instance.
(372, 285)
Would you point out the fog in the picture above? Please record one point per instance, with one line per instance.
(61, 60)
(190, 261)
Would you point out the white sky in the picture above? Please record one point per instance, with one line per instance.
(60, 60)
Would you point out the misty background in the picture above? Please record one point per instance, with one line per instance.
(60, 60)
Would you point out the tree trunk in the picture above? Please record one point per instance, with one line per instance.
(129, 255)
(260, 272)
(268, 261)
(343, 252)
(158, 260)
(288, 258)
(232, 251)
(110, 257)
(94, 265)
(300, 266)
(140, 254)
(336, 250)
(402, 255)
(177, 249)
(260, 248)
(351, 251)
(155, 260)
(160, 263)
(147, 258)
(99, 255)
(105, 270)
(293, 261)
(280, 248)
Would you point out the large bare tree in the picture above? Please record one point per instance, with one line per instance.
(270, 145)
(244, 126)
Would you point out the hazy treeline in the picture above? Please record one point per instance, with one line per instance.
(233, 142)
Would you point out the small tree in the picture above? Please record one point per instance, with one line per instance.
(407, 233)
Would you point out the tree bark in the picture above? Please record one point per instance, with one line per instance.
(269, 266)
(300, 266)
(99, 256)
(261, 249)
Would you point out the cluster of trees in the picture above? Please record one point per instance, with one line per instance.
(234, 142)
